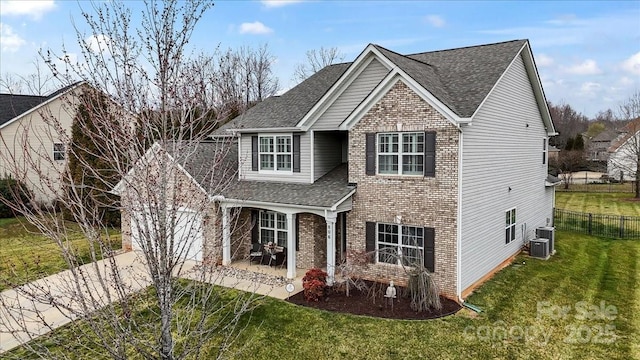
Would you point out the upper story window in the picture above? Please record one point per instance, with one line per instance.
(58, 151)
(276, 153)
(545, 151)
(401, 153)
(510, 225)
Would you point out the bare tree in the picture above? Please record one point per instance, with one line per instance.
(316, 60)
(568, 122)
(140, 137)
(625, 156)
(40, 82)
(566, 164)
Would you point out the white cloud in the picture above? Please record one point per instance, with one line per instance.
(255, 28)
(98, 43)
(589, 88)
(435, 20)
(33, 9)
(632, 64)
(587, 67)
(279, 3)
(543, 60)
(11, 42)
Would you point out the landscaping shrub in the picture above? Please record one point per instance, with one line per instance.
(13, 191)
(314, 284)
(422, 290)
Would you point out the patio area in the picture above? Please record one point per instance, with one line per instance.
(253, 277)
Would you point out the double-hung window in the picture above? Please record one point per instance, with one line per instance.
(58, 151)
(400, 244)
(273, 228)
(510, 225)
(401, 153)
(276, 153)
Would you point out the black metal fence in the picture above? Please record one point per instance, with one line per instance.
(611, 226)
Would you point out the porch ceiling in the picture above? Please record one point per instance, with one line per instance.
(325, 192)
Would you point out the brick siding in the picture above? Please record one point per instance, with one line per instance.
(419, 201)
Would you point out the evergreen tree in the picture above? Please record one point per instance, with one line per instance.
(92, 174)
(569, 145)
(578, 143)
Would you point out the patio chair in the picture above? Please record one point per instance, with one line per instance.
(256, 253)
(279, 258)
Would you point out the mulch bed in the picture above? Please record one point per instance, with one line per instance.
(362, 304)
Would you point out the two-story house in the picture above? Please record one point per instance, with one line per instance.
(34, 132)
(440, 156)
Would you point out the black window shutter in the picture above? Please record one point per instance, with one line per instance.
(430, 154)
(371, 154)
(297, 232)
(370, 237)
(429, 249)
(296, 153)
(254, 153)
(255, 227)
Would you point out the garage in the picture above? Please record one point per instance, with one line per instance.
(187, 232)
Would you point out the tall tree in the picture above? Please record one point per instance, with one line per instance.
(568, 122)
(143, 67)
(315, 61)
(40, 82)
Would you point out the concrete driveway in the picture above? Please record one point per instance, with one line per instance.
(19, 312)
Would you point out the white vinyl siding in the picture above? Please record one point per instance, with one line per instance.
(246, 173)
(327, 152)
(501, 169)
(351, 97)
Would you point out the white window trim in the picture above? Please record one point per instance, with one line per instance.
(511, 226)
(275, 229)
(63, 151)
(545, 151)
(399, 245)
(275, 154)
(400, 153)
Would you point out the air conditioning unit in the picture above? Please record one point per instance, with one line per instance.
(547, 232)
(539, 248)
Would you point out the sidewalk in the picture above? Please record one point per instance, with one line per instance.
(133, 271)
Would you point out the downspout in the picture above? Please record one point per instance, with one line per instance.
(459, 222)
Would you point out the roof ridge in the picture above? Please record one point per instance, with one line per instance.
(465, 47)
(404, 56)
(33, 96)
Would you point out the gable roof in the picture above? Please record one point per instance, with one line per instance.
(13, 106)
(460, 79)
(287, 109)
(629, 130)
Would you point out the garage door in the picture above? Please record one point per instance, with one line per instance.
(187, 233)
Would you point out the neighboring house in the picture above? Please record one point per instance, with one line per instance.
(597, 148)
(553, 152)
(441, 156)
(624, 153)
(34, 132)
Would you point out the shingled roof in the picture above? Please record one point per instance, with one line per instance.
(12, 105)
(459, 78)
(214, 164)
(286, 110)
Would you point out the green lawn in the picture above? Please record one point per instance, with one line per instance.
(562, 308)
(598, 203)
(26, 255)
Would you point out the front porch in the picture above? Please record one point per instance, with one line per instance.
(307, 222)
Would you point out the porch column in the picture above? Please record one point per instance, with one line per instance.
(226, 236)
(291, 246)
(330, 218)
